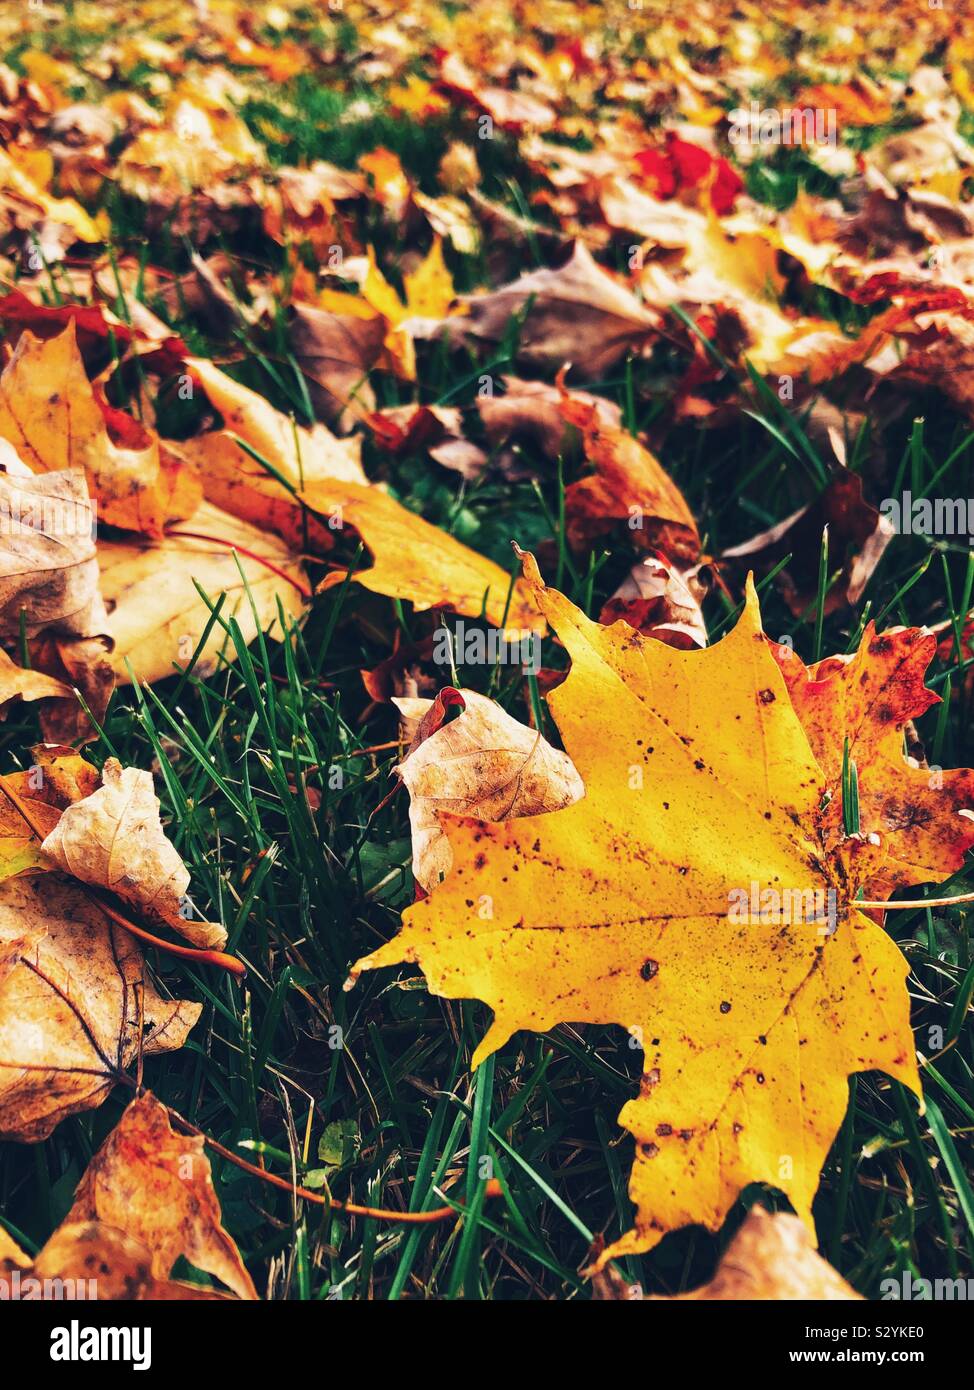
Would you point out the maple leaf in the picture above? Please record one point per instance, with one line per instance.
(700, 785)
(18, 684)
(575, 313)
(529, 412)
(158, 617)
(335, 351)
(75, 1005)
(57, 777)
(857, 537)
(438, 429)
(924, 816)
(49, 584)
(661, 601)
(630, 485)
(154, 1183)
(48, 563)
(770, 1258)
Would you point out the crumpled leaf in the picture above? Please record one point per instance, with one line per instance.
(529, 413)
(661, 601)
(122, 1266)
(153, 1184)
(437, 429)
(48, 562)
(49, 582)
(18, 684)
(114, 839)
(924, 817)
(485, 764)
(57, 776)
(701, 784)
(52, 416)
(75, 1005)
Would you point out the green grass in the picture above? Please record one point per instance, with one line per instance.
(368, 1094)
(304, 891)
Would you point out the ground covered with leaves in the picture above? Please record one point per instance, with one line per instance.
(308, 312)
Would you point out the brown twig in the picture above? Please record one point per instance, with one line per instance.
(220, 959)
(412, 1218)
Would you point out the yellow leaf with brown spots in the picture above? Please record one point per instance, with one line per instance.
(688, 897)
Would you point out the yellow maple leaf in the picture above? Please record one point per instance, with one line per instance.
(429, 289)
(701, 791)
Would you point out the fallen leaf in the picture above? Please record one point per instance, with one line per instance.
(154, 1184)
(858, 535)
(484, 764)
(48, 561)
(576, 313)
(770, 1258)
(49, 582)
(413, 560)
(336, 352)
(700, 787)
(97, 1261)
(429, 288)
(157, 617)
(56, 777)
(53, 417)
(75, 1005)
(661, 601)
(114, 839)
(528, 415)
(924, 817)
(630, 486)
(18, 684)
(437, 429)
